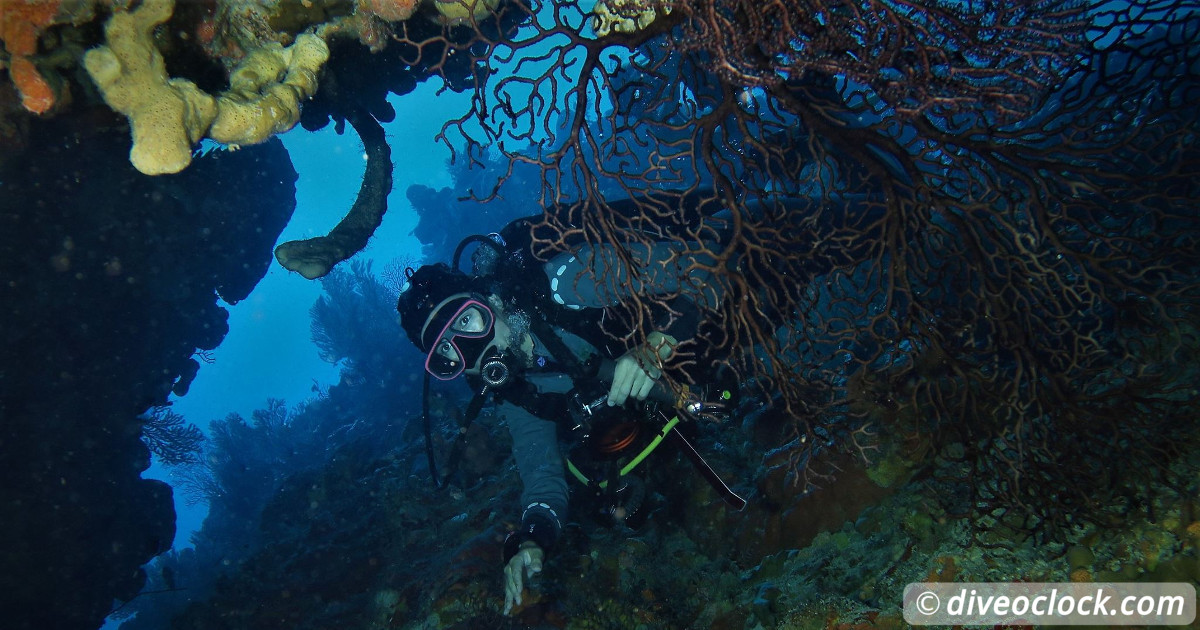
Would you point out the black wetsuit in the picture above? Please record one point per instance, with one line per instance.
(565, 309)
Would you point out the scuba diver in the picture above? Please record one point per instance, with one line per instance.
(528, 336)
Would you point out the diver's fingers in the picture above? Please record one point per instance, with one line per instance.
(643, 387)
(513, 586)
(518, 583)
(614, 397)
(623, 377)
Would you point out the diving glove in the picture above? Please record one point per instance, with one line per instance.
(637, 370)
(521, 567)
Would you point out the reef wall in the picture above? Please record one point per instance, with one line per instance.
(110, 289)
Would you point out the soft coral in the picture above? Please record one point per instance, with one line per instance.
(21, 22)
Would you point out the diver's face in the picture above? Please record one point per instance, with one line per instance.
(459, 332)
(470, 328)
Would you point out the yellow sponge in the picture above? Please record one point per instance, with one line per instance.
(167, 116)
(266, 89)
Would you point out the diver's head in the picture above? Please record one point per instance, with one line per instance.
(458, 334)
(446, 315)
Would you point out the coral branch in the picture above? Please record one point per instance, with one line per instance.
(172, 438)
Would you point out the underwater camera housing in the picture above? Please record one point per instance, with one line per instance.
(610, 442)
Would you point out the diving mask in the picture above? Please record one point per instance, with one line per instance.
(462, 339)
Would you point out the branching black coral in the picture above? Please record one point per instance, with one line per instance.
(172, 438)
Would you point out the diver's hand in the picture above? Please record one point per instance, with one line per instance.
(638, 370)
(524, 565)
(632, 376)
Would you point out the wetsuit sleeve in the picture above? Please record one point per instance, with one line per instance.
(543, 477)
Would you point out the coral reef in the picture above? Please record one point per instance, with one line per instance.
(626, 16)
(391, 10)
(167, 116)
(258, 105)
(112, 287)
(36, 94)
(21, 23)
(445, 217)
(170, 115)
(238, 74)
(855, 574)
(962, 217)
(171, 82)
(957, 240)
(400, 56)
(172, 438)
(353, 325)
(366, 541)
(455, 12)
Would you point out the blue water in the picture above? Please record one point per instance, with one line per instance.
(268, 352)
